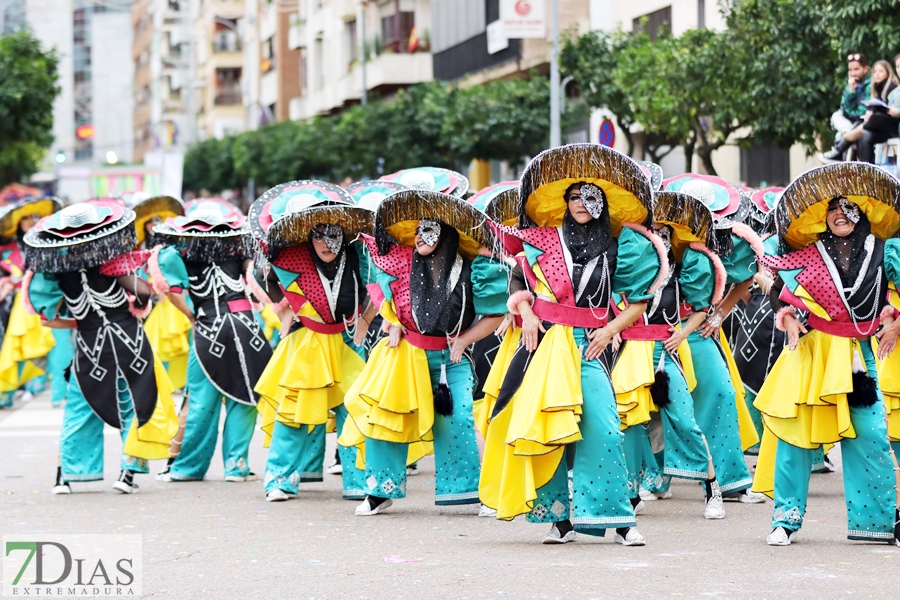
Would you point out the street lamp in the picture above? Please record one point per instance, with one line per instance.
(60, 157)
(111, 157)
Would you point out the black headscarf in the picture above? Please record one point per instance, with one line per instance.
(586, 241)
(848, 253)
(430, 282)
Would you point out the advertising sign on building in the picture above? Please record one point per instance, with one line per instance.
(523, 18)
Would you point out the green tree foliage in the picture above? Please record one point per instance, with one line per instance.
(868, 26)
(435, 124)
(27, 90)
(771, 76)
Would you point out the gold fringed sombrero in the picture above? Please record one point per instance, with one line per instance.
(12, 213)
(284, 215)
(163, 207)
(399, 214)
(800, 213)
(688, 217)
(500, 202)
(550, 173)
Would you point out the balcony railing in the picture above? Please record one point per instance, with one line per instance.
(228, 96)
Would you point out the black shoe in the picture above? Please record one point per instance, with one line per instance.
(125, 484)
(61, 486)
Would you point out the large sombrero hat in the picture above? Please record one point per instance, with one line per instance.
(210, 230)
(369, 194)
(80, 236)
(13, 212)
(285, 215)
(653, 172)
(431, 179)
(399, 215)
(762, 204)
(146, 208)
(800, 213)
(723, 199)
(500, 202)
(16, 191)
(550, 173)
(690, 220)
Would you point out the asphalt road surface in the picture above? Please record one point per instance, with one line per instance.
(213, 539)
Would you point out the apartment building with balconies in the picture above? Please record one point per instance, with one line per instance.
(219, 65)
(162, 76)
(343, 43)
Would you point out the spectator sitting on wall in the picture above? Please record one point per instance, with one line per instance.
(850, 115)
(882, 120)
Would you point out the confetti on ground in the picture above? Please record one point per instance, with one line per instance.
(396, 558)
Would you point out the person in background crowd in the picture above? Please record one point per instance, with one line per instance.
(850, 115)
(881, 123)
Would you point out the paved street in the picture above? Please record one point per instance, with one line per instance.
(216, 540)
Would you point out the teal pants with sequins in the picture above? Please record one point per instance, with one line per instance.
(297, 454)
(868, 474)
(455, 450)
(201, 429)
(81, 441)
(600, 485)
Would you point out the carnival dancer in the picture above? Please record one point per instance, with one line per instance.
(82, 262)
(27, 348)
(417, 384)
(719, 406)
(316, 278)
(650, 373)
(583, 212)
(833, 264)
(206, 254)
(500, 202)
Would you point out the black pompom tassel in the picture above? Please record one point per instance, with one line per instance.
(443, 399)
(864, 391)
(659, 391)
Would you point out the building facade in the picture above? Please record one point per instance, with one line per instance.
(342, 43)
(162, 76)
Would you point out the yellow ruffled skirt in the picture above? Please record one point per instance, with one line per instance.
(484, 407)
(804, 400)
(307, 376)
(26, 339)
(168, 330)
(526, 441)
(749, 435)
(151, 440)
(632, 376)
(889, 382)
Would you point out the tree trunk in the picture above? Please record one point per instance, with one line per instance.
(705, 154)
(689, 155)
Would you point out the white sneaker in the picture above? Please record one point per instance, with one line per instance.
(780, 537)
(164, 475)
(647, 495)
(555, 537)
(715, 508)
(751, 497)
(365, 510)
(27, 396)
(486, 511)
(335, 469)
(276, 495)
(240, 478)
(665, 495)
(639, 507)
(412, 470)
(62, 488)
(632, 538)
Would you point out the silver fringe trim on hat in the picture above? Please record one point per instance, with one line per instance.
(581, 161)
(833, 181)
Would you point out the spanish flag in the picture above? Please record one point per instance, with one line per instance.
(413, 44)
